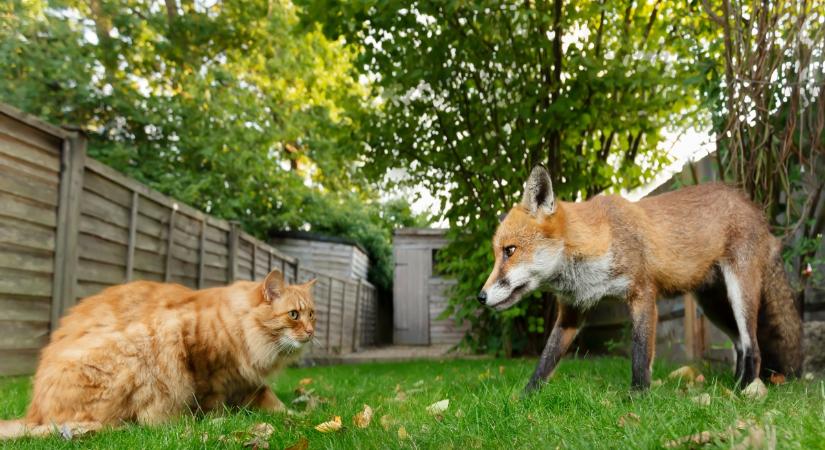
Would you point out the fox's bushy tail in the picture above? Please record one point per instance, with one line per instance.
(779, 326)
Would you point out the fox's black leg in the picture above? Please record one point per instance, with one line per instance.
(567, 325)
(643, 313)
(744, 301)
(740, 359)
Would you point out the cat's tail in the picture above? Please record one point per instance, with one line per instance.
(14, 429)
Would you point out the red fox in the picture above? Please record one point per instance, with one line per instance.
(708, 239)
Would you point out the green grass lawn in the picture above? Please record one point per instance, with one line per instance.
(582, 407)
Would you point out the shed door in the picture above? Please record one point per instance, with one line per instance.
(411, 308)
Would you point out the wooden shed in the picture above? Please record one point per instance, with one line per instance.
(330, 254)
(419, 292)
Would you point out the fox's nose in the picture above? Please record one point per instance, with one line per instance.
(482, 297)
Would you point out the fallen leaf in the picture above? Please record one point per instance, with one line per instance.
(756, 390)
(702, 438)
(700, 378)
(777, 378)
(439, 378)
(706, 437)
(728, 393)
(758, 437)
(501, 370)
(402, 433)
(808, 376)
(684, 372)
(629, 418)
(305, 381)
(262, 430)
(702, 399)
(257, 442)
(386, 421)
(309, 399)
(302, 444)
(400, 396)
(330, 426)
(438, 407)
(363, 418)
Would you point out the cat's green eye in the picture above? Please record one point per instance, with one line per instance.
(293, 315)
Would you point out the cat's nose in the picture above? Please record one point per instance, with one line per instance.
(310, 331)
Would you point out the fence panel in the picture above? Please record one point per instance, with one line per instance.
(30, 160)
(71, 226)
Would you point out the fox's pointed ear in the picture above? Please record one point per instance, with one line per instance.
(273, 286)
(538, 192)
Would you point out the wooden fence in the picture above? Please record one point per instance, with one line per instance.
(71, 226)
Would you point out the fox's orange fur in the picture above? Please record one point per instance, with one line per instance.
(708, 239)
(147, 352)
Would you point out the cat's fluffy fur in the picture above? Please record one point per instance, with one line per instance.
(146, 352)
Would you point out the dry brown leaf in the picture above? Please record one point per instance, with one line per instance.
(438, 407)
(400, 396)
(302, 444)
(256, 442)
(262, 430)
(386, 421)
(629, 419)
(705, 437)
(402, 433)
(758, 437)
(756, 390)
(305, 381)
(330, 426)
(308, 399)
(809, 376)
(686, 372)
(702, 399)
(363, 418)
(777, 379)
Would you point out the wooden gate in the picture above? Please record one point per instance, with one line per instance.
(411, 314)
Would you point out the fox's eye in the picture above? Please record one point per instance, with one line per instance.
(509, 250)
(294, 315)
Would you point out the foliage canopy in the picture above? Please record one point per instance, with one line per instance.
(230, 107)
(473, 94)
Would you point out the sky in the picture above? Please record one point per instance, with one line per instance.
(690, 145)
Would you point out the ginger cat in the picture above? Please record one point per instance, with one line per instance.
(147, 352)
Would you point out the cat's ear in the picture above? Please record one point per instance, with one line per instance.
(273, 286)
(310, 283)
